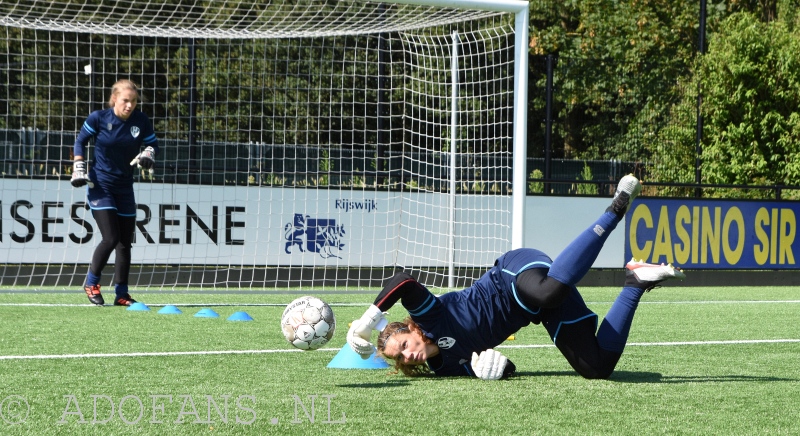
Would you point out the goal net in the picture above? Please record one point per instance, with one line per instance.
(315, 144)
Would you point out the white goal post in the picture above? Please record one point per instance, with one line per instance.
(314, 143)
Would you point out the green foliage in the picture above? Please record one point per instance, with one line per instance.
(617, 66)
(358, 182)
(674, 146)
(751, 85)
(536, 187)
(749, 80)
(586, 175)
(627, 79)
(325, 166)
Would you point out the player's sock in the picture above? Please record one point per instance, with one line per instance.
(121, 289)
(574, 262)
(613, 332)
(92, 279)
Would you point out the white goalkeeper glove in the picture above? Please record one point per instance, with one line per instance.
(489, 365)
(361, 331)
(79, 176)
(146, 159)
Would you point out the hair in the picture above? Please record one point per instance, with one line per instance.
(407, 326)
(119, 86)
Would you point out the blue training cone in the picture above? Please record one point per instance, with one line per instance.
(138, 306)
(240, 316)
(169, 310)
(346, 358)
(206, 313)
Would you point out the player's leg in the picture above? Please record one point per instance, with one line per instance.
(574, 262)
(535, 289)
(106, 220)
(108, 225)
(104, 211)
(126, 219)
(547, 291)
(640, 278)
(572, 327)
(573, 330)
(599, 355)
(578, 344)
(122, 261)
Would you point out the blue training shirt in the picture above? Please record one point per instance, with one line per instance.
(479, 317)
(116, 143)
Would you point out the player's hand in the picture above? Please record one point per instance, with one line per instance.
(79, 176)
(147, 158)
(360, 332)
(489, 365)
(357, 341)
(373, 319)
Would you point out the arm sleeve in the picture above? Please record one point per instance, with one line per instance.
(406, 289)
(150, 139)
(88, 131)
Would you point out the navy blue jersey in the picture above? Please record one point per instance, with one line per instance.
(479, 317)
(116, 143)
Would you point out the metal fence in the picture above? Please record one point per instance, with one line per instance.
(580, 140)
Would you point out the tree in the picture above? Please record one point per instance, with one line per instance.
(750, 81)
(619, 64)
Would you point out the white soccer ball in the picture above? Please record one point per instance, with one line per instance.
(308, 323)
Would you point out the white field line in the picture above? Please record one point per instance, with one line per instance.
(153, 354)
(175, 304)
(589, 303)
(669, 344)
(227, 352)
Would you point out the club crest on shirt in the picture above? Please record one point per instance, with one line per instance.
(135, 131)
(446, 342)
(110, 126)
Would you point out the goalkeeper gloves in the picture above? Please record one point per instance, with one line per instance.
(79, 176)
(489, 365)
(361, 331)
(146, 159)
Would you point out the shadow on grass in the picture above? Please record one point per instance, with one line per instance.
(654, 377)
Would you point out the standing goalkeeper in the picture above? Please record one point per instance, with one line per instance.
(455, 334)
(119, 133)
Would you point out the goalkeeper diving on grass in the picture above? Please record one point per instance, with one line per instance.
(119, 133)
(454, 334)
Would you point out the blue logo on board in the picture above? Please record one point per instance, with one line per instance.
(316, 235)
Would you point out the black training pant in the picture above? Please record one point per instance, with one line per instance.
(117, 237)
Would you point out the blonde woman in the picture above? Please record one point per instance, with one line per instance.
(454, 334)
(119, 133)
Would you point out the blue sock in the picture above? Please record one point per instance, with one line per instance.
(574, 262)
(613, 332)
(121, 289)
(92, 279)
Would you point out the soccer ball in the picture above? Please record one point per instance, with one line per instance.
(308, 323)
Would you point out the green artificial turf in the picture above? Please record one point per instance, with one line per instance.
(699, 361)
